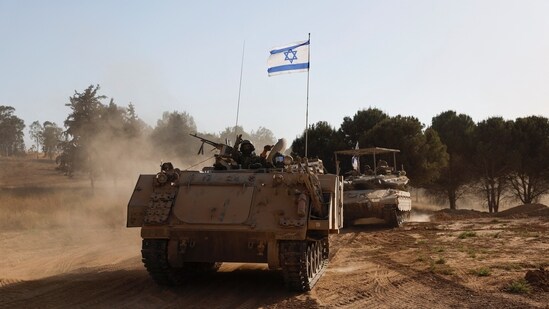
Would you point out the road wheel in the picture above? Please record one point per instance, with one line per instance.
(154, 254)
(303, 263)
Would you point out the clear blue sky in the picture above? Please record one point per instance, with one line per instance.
(414, 58)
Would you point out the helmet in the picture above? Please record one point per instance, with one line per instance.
(246, 146)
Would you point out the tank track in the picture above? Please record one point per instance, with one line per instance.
(395, 217)
(303, 262)
(355, 211)
(154, 254)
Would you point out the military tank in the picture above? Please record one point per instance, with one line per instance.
(377, 195)
(280, 213)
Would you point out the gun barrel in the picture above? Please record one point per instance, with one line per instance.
(225, 150)
(207, 141)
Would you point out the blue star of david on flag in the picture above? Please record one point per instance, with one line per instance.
(292, 57)
(285, 59)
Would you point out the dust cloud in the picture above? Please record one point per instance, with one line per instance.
(53, 224)
(419, 217)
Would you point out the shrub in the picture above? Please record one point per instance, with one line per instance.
(440, 261)
(467, 234)
(482, 272)
(519, 286)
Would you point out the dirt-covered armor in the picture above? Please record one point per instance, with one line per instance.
(191, 221)
(377, 195)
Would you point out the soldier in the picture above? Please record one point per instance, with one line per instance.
(246, 157)
(368, 170)
(383, 168)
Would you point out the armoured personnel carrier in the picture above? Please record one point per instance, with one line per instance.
(375, 195)
(279, 213)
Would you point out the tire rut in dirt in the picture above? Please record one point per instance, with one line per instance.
(389, 282)
(241, 288)
(378, 287)
(449, 293)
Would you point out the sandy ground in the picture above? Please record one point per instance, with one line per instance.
(421, 265)
(461, 259)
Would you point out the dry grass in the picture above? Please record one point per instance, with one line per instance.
(34, 195)
(45, 208)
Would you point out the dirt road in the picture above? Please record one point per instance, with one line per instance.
(448, 264)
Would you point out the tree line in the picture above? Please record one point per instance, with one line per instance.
(102, 138)
(11, 132)
(495, 158)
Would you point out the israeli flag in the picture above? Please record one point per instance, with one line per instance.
(355, 161)
(290, 58)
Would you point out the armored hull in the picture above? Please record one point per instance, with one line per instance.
(381, 206)
(379, 196)
(192, 221)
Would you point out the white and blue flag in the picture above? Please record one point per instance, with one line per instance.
(290, 58)
(355, 161)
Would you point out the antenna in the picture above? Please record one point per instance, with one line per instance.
(307, 109)
(239, 89)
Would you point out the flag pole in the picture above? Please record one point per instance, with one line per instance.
(239, 89)
(307, 109)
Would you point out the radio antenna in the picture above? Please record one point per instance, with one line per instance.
(239, 90)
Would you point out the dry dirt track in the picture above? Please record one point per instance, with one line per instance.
(422, 265)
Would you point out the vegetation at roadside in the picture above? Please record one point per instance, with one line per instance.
(442, 269)
(53, 207)
(467, 234)
(519, 286)
(482, 271)
(11, 132)
(494, 158)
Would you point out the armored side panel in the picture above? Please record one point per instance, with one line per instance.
(139, 200)
(332, 185)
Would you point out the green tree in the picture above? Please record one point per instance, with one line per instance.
(492, 160)
(422, 153)
(82, 126)
(50, 139)
(456, 132)
(323, 141)
(35, 131)
(11, 132)
(83, 122)
(113, 120)
(98, 135)
(530, 150)
(229, 135)
(171, 134)
(261, 137)
(133, 126)
(353, 129)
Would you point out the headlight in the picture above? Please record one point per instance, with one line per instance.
(161, 178)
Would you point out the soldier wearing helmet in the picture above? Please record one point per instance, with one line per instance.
(247, 148)
(246, 157)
